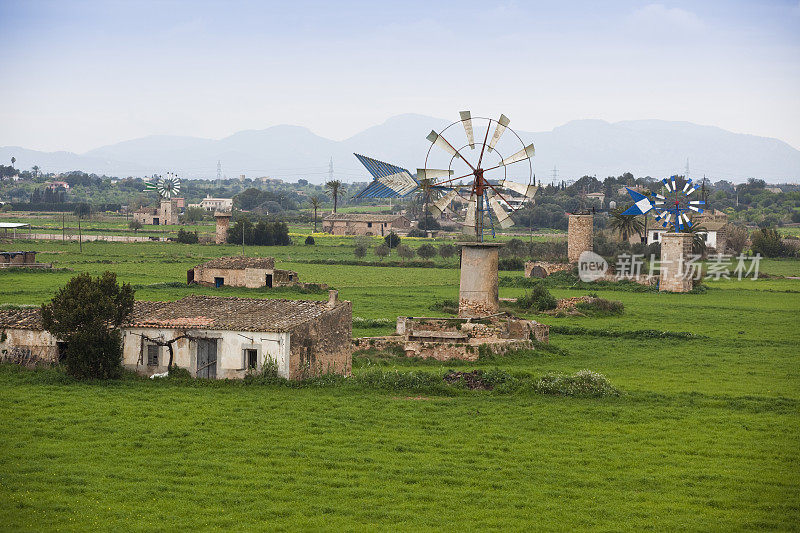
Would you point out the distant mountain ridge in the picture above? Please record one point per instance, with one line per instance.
(581, 147)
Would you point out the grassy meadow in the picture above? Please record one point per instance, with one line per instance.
(705, 435)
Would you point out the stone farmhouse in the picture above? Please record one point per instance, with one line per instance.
(211, 337)
(166, 213)
(215, 204)
(241, 271)
(364, 224)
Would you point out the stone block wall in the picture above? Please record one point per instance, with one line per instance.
(323, 346)
(580, 236)
(676, 248)
(542, 269)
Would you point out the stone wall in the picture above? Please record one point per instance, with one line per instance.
(542, 269)
(580, 236)
(323, 346)
(676, 248)
(28, 347)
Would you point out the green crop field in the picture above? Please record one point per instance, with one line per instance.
(704, 436)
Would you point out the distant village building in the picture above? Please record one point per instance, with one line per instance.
(165, 214)
(58, 184)
(215, 204)
(596, 196)
(241, 271)
(364, 224)
(213, 337)
(713, 225)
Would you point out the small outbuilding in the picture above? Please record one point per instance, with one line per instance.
(241, 271)
(24, 341)
(364, 224)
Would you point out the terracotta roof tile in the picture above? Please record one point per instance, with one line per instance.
(21, 318)
(239, 262)
(361, 217)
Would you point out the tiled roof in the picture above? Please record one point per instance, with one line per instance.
(240, 262)
(228, 313)
(361, 217)
(21, 318)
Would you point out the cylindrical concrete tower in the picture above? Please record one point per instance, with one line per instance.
(223, 219)
(580, 236)
(478, 289)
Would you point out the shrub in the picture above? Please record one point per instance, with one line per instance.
(416, 232)
(360, 250)
(538, 299)
(360, 322)
(446, 306)
(405, 252)
(392, 240)
(511, 263)
(310, 240)
(736, 239)
(601, 307)
(447, 251)
(135, 225)
(187, 237)
(584, 383)
(381, 251)
(426, 251)
(768, 243)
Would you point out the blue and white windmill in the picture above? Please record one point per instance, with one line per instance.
(480, 181)
(671, 209)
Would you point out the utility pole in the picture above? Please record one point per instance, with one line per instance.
(219, 172)
(330, 170)
(687, 169)
(555, 175)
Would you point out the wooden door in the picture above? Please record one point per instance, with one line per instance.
(207, 358)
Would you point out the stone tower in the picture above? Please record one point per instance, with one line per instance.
(580, 233)
(676, 248)
(169, 211)
(223, 219)
(477, 294)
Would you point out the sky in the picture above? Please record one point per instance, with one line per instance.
(82, 74)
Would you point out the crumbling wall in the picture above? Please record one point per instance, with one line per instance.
(542, 269)
(323, 346)
(28, 347)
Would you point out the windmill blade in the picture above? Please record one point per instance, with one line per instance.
(437, 208)
(500, 214)
(502, 124)
(525, 190)
(390, 181)
(466, 120)
(525, 153)
(433, 173)
(472, 215)
(442, 143)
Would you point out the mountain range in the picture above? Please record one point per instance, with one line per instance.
(581, 147)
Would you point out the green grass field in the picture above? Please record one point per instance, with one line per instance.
(706, 435)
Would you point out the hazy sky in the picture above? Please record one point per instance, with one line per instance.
(78, 75)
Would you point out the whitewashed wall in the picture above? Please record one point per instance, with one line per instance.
(230, 350)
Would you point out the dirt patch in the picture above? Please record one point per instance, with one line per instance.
(416, 398)
(472, 380)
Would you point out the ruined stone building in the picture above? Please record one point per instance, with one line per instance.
(241, 271)
(165, 214)
(20, 260)
(364, 224)
(213, 337)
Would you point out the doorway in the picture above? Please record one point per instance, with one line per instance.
(206, 358)
(219, 282)
(269, 281)
(190, 277)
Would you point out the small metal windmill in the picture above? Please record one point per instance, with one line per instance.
(166, 187)
(672, 208)
(489, 199)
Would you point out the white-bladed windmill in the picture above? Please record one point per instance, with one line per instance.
(166, 186)
(474, 171)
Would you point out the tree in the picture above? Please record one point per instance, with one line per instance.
(447, 251)
(360, 250)
(767, 242)
(13, 160)
(310, 240)
(736, 239)
(392, 240)
(35, 169)
(187, 237)
(405, 252)
(83, 210)
(334, 186)
(698, 241)
(194, 214)
(135, 225)
(86, 314)
(315, 203)
(426, 251)
(625, 225)
(381, 251)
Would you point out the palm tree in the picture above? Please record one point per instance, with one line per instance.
(698, 242)
(35, 169)
(625, 225)
(334, 186)
(13, 160)
(428, 193)
(315, 203)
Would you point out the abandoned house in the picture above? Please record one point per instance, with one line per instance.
(212, 337)
(226, 337)
(364, 224)
(24, 341)
(241, 271)
(165, 213)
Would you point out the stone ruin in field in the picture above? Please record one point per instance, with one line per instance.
(480, 327)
